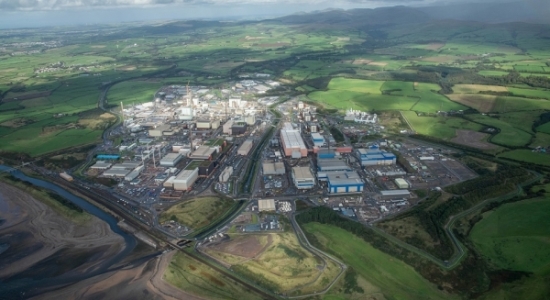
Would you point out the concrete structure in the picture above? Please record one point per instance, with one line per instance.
(170, 159)
(277, 168)
(207, 167)
(226, 173)
(302, 177)
(204, 124)
(344, 182)
(119, 173)
(426, 158)
(332, 164)
(227, 127)
(169, 183)
(159, 131)
(392, 194)
(245, 148)
(250, 120)
(401, 183)
(266, 205)
(185, 179)
(66, 176)
(203, 153)
(318, 140)
(292, 141)
(375, 157)
(134, 174)
(101, 165)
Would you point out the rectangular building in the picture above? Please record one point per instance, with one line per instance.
(266, 205)
(207, 167)
(401, 183)
(292, 141)
(203, 153)
(376, 157)
(170, 159)
(185, 179)
(302, 177)
(344, 182)
(238, 128)
(332, 164)
(277, 168)
(318, 140)
(227, 127)
(245, 148)
(226, 173)
(393, 194)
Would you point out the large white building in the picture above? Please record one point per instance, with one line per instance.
(292, 141)
(302, 177)
(185, 179)
(170, 159)
(245, 148)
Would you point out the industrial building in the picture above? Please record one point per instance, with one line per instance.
(375, 157)
(401, 183)
(266, 205)
(245, 148)
(325, 153)
(393, 194)
(238, 128)
(119, 173)
(273, 168)
(101, 165)
(226, 173)
(318, 140)
(302, 177)
(134, 174)
(292, 142)
(160, 130)
(203, 153)
(185, 179)
(207, 167)
(344, 182)
(170, 159)
(227, 127)
(332, 164)
(108, 157)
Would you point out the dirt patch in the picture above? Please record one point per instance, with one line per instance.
(213, 279)
(127, 68)
(248, 246)
(473, 139)
(482, 103)
(440, 59)
(378, 63)
(16, 123)
(273, 45)
(98, 46)
(476, 88)
(362, 61)
(434, 46)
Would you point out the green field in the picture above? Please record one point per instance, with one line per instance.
(385, 275)
(132, 92)
(198, 212)
(545, 128)
(508, 135)
(439, 127)
(516, 236)
(196, 278)
(528, 156)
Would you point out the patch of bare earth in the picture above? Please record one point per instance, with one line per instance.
(248, 246)
(362, 61)
(480, 102)
(473, 139)
(435, 46)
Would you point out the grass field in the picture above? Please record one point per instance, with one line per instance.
(281, 264)
(199, 279)
(386, 275)
(198, 212)
(132, 92)
(528, 156)
(545, 128)
(508, 135)
(516, 236)
(440, 127)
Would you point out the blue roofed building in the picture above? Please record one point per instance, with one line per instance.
(373, 156)
(108, 157)
(325, 153)
(344, 182)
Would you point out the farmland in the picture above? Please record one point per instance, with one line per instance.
(439, 126)
(384, 275)
(198, 212)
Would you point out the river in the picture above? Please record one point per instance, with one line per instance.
(24, 288)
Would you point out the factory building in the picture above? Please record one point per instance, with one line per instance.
(227, 127)
(207, 167)
(344, 182)
(134, 174)
(169, 183)
(332, 164)
(101, 165)
(238, 128)
(160, 130)
(108, 157)
(266, 205)
(375, 157)
(401, 183)
(226, 173)
(245, 148)
(302, 177)
(203, 153)
(313, 127)
(277, 168)
(250, 119)
(170, 159)
(394, 194)
(185, 179)
(318, 140)
(325, 153)
(204, 124)
(118, 173)
(292, 142)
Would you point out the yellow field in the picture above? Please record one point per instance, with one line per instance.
(198, 212)
(476, 88)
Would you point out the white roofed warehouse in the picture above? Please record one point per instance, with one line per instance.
(302, 177)
(170, 159)
(185, 179)
(292, 141)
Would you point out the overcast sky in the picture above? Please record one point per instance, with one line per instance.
(33, 13)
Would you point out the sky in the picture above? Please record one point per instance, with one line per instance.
(36, 13)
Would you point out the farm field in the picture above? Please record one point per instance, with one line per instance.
(528, 156)
(132, 92)
(276, 261)
(508, 135)
(439, 126)
(367, 95)
(545, 128)
(385, 275)
(515, 236)
(199, 279)
(198, 212)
